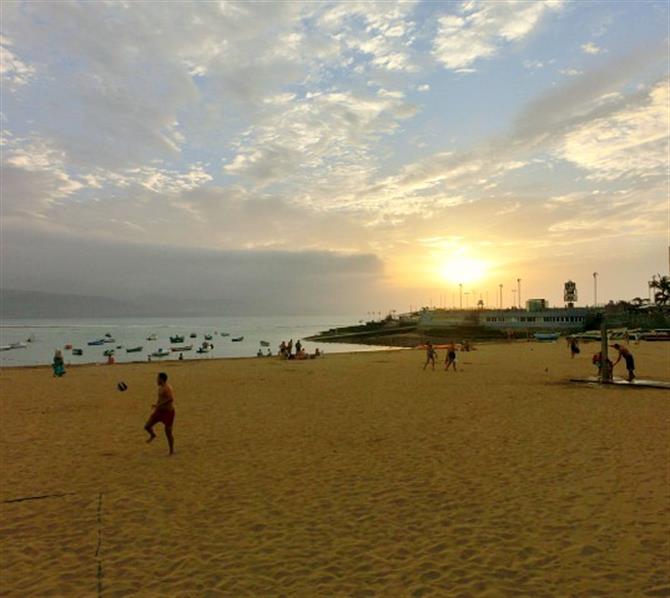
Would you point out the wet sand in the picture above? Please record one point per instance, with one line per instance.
(352, 475)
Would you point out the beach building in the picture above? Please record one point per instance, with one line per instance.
(537, 316)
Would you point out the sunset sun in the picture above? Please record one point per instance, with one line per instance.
(462, 269)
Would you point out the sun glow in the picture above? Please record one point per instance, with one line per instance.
(462, 269)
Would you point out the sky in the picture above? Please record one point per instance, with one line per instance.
(334, 157)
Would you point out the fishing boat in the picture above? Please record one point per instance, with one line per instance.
(152, 337)
(108, 339)
(546, 336)
(77, 351)
(5, 348)
(108, 352)
(68, 347)
(237, 339)
(134, 349)
(160, 353)
(225, 333)
(176, 339)
(265, 343)
(204, 349)
(181, 349)
(208, 337)
(193, 335)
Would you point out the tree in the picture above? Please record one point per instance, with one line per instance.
(662, 290)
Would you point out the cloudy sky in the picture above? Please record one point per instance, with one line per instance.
(353, 156)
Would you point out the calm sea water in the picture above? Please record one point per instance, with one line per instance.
(132, 332)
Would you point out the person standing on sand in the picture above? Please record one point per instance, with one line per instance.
(628, 358)
(574, 347)
(430, 355)
(163, 411)
(451, 357)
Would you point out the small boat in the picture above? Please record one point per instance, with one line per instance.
(193, 335)
(108, 339)
(176, 339)
(68, 347)
(77, 351)
(204, 349)
(265, 343)
(31, 339)
(108, 352)
(546, 336)
(237, 339)
(225, 333)
(134, 349)
(95, 343)
(152, 337)
(160, 353)
(18, 345)
(181, 349)
(208, 337)
(5, 348)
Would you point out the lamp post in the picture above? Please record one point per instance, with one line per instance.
(513, 297)
(595, 289)
(501, 301)
(518, 286)
(460, 290)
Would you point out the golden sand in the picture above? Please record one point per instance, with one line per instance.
(353, 475)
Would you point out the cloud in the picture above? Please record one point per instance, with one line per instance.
(631, 142)
(481, 28)
(590, 48)
(318, 132)
(13, 71)
(191, 280)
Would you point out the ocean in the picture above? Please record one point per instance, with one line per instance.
(48, 335)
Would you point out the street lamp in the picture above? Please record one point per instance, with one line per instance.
(595, 289)
(501, 301)
(460, 290)
(518, 286)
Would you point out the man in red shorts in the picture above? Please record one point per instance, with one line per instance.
(163, 411)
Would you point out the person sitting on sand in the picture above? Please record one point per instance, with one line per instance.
(260, 353)
(628, 358)
(58, 364)
(451, 357)
(430, 355)
(269, 353)
(163, 411)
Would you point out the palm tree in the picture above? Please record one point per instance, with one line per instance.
(662, 292)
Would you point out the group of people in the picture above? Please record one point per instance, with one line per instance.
(598, 360)
(449, 359)
(286, 351)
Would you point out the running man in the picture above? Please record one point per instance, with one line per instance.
(451, 357)
(163, 411)
(430, 355)
(628, 358)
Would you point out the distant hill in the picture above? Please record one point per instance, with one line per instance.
(35, 304)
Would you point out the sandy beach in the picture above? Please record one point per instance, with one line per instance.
(352, 475)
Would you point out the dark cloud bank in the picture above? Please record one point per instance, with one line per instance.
(124, 279)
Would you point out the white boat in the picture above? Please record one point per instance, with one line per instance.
(15, 346)
(160, 353)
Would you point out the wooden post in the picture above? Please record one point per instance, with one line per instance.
(605, 373)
